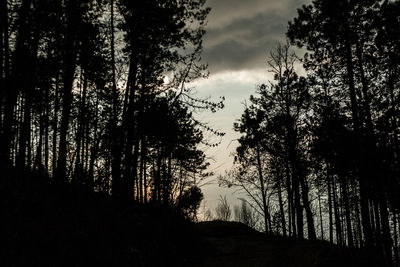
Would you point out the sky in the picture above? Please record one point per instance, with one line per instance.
(240, 34)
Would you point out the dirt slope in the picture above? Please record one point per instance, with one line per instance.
(234, 244)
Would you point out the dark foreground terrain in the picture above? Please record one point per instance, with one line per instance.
(234, 244)
(43, 224)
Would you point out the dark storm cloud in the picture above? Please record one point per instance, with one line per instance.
(241, 32)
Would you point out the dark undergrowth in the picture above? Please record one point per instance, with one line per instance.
(47, 224)
(44, 224)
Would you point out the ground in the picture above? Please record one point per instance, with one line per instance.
(234, 244)
(47, 224)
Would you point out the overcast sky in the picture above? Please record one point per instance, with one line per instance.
(240, 33)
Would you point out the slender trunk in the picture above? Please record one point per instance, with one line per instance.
(167, 187)
(387, 240)
(281, 208)
(339, 240)
(142, 174)
(158, 179)
(295, 175)
(343, 184)
(93, 152)
(3, 76)
(357, 210)
(365, 93)
(378, 231)
(307, 208)
(24, 134)
(86, 140)
(298, 207)
(263, 193)
(70, 55)
(320, 215)
(78, 172)
(145, 179)
(46, 131)
(372, 217)
(116, 134)
(328, 176)
(55, 127)
(291, 211)
(39, 160)
(393, 106)
(342, 216)
(395, 239)
(129, 127)
(135, 158)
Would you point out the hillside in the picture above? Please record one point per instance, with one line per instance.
(43, 224)
(234, 244)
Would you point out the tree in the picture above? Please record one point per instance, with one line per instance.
(348, 34)
(223, 211)
(190, 201)
(245, 214)
(272, 129)
(65, 107)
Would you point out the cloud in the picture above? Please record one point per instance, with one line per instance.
(224, 11)
(240, 33)
(236, 86)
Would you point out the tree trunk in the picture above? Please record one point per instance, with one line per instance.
(328, 177)
(93, 150)
(291, 211)
(378, 231)
(142, 175)
(299, 208)
(55, 127)
(343, 184)
(46, 131)
(129, 125)
(387, 240)
(39, 161)
(339, 240)
(70, 55)
(281, 208)
(395, 239)
(78, 171)
(320, 215)
(116, 134)
(307, 208)
(295, 174)
(263, 193)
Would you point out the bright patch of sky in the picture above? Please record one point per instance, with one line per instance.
(240, 34)
(236, 86)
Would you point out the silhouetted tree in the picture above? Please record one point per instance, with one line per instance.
(245, 214)
(85, 97)
(223, 210)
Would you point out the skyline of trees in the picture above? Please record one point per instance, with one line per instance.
(94, 93)
(318, 154)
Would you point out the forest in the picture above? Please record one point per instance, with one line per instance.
(96, 94)
(318, 153)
